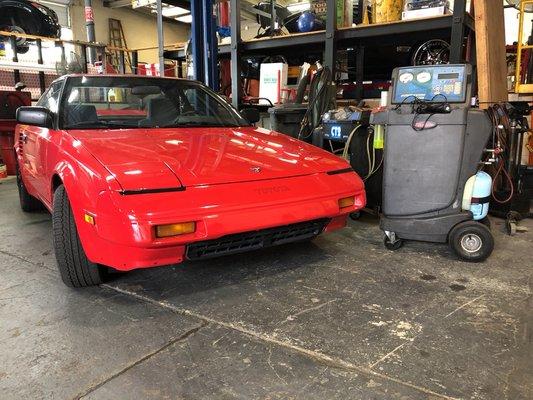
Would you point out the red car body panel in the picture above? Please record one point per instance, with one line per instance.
(131, 180)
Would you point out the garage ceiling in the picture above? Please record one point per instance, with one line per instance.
(186, 5)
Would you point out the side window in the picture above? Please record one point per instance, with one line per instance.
(50, 98)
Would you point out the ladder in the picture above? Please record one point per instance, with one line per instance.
(118, 40)
(524, 55)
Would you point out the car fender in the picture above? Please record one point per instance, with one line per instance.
(88, 184)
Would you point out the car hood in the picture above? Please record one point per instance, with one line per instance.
(166, 157)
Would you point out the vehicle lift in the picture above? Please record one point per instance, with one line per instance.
(204, 43)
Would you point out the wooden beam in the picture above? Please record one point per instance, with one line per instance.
(490, 51)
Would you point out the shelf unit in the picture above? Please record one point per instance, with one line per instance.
(454, 27)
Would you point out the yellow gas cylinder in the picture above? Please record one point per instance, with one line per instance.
(387, 10)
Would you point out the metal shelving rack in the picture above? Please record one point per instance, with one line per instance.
(454, 27)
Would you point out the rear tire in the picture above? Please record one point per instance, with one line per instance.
(28, 203)
(471, 241)
(75, 269)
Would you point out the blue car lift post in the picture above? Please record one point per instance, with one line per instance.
(204, 43)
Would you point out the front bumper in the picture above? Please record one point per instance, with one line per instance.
(124, 238)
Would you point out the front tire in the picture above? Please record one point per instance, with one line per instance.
(75, 269)
(472, 241)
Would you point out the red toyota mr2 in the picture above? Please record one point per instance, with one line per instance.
(140, 172)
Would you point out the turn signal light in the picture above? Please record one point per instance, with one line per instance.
(346, 202)
(89, 219)
(169, 230)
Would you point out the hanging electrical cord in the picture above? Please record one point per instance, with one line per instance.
(372, 168)
(501, 130)
(319, 101)
(347, 145)
(371, 155)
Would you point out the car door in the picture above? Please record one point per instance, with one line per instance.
(34, 140)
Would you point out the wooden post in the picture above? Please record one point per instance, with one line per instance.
(490, 52)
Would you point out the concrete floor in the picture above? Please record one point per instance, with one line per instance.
(339, 318)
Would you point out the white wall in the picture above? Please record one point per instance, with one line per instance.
(139, 30)
(511, 25)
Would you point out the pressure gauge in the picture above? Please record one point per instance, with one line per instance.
(423, 77)
(406, 77)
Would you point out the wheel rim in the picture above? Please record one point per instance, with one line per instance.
(471, 243)
(16, 29)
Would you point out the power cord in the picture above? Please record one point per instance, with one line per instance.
(422, 107)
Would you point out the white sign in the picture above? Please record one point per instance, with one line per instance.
(272, 78)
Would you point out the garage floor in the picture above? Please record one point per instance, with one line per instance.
(340, 318)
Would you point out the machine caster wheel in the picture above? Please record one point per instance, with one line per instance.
(355, 215)
(392, 245)
(471, 241)
(511, 222)
(511, 227)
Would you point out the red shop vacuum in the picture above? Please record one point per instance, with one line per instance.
(9, 102)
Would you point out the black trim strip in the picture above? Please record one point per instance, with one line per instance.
(340, 171)
(150, 191)
(480, 200)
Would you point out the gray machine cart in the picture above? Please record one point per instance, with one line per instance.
(432, 146)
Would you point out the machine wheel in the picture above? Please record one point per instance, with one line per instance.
(28, 203)
(486, 221)
(392, 245)
(471, 241)
(75, 269)
(511, 227)
(355, 215)
(511, 222)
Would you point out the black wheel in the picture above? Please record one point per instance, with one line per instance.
(355, 215)
(392, 245)
(471, 241)
(485, 221)
(28, 203)
(75, 269)
(21, 42)
(432, 52)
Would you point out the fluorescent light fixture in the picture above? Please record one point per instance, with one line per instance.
(174, 11)
(296, 7)
(186, 18)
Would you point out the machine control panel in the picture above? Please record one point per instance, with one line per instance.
(430, 83)
(337, 126)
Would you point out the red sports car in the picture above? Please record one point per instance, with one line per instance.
(140, 172)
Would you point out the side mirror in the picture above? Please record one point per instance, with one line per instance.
(251, 115)
(37, 116)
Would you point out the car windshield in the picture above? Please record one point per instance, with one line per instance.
(96, 102)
